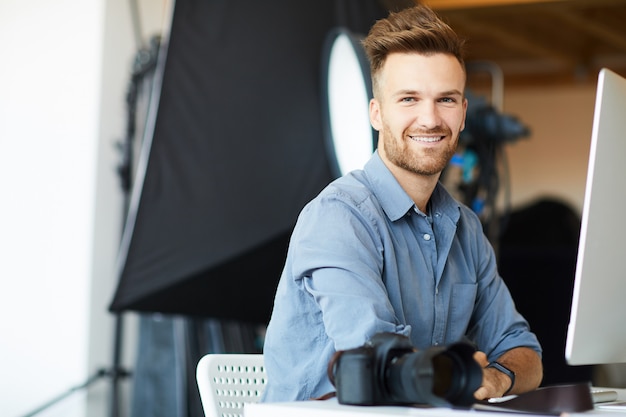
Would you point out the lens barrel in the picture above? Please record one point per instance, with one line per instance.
(436, 376)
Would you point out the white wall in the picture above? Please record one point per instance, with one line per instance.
(64, 68)
(553, 160)
(49, 103)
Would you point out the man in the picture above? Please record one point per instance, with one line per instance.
(386, 248)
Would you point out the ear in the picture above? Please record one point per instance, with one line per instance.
(464, 114)
(375, 119)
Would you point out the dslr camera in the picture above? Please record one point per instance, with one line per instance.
(388, 370)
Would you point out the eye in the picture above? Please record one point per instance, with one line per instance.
(447, 100)
(407, 99)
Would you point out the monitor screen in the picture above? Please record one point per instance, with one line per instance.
(597, 327)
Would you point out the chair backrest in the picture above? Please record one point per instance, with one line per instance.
(228, 381)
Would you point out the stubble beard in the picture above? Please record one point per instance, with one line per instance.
(432, 162)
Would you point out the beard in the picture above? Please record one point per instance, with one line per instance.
(429, 162)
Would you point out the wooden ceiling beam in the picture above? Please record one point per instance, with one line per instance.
(542, 40)
(517, 42)
(469, 4)
(592, 28)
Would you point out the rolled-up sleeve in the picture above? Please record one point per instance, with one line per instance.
(339, 260)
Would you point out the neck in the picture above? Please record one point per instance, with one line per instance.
(418, 187)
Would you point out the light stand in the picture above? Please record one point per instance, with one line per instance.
(145, 63)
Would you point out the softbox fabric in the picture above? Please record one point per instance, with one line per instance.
(237, 151)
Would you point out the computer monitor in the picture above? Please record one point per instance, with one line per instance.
(597, 327)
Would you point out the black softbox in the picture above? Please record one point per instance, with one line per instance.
(235, 152)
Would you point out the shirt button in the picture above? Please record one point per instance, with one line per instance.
(426, 236)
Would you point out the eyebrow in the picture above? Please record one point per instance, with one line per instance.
(452, 93)
(447, 93)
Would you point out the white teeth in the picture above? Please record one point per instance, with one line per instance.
(426, 138)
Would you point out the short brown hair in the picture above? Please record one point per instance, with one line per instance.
(415, 29)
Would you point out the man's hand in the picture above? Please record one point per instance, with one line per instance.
(495, 383)
(523, 361)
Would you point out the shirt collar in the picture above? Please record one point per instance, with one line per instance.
(394, 200)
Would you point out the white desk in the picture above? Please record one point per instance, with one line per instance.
(331, 408)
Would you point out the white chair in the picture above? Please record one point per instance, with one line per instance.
(228, 381)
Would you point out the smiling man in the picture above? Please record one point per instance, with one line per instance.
(386, 248)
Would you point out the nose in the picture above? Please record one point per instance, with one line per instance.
(428, 115)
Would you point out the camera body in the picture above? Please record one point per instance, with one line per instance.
(388, 370)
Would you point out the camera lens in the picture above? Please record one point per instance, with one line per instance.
(435, 376)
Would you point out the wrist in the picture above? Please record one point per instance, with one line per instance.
(506, 371)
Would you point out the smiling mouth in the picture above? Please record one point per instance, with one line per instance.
(427, 139)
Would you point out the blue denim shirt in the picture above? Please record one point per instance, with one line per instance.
(363, 259)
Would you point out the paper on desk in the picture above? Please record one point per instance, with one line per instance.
(619, 406)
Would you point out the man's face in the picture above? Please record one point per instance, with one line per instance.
(419, 111)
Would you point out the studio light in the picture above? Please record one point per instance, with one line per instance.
(346, 92)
